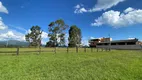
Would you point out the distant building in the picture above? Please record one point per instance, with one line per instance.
(93, 42)
(117, 44)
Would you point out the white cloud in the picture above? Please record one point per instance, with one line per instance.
(84, 41)
(2, 25)
(82, 10)
(101, 5)
(66, 39)
(43, 42)
(11, 35)
(117, 19)
(129, 10)
(3, 8)
(104, 5)
(79, 8)
(28, 31)
(92, 38)
(44, 35)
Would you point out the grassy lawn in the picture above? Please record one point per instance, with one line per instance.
(114, 65)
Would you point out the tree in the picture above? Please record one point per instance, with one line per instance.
(74, 36)
(57, 33)
(34, 37)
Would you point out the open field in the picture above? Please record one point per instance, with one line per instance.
(114, 65)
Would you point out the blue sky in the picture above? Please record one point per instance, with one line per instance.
(122, 19)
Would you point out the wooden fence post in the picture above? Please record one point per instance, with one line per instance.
(17, 51)
(76, 49)
(55, 50)
(67, 49)
(84, 49)
(109, 49)
(91, 49)
(102, 49)
(39, 50)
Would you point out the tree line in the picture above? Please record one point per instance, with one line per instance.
(56, 33)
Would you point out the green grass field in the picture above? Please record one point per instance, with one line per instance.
(114, 65)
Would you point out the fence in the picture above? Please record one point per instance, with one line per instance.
(18, 51)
